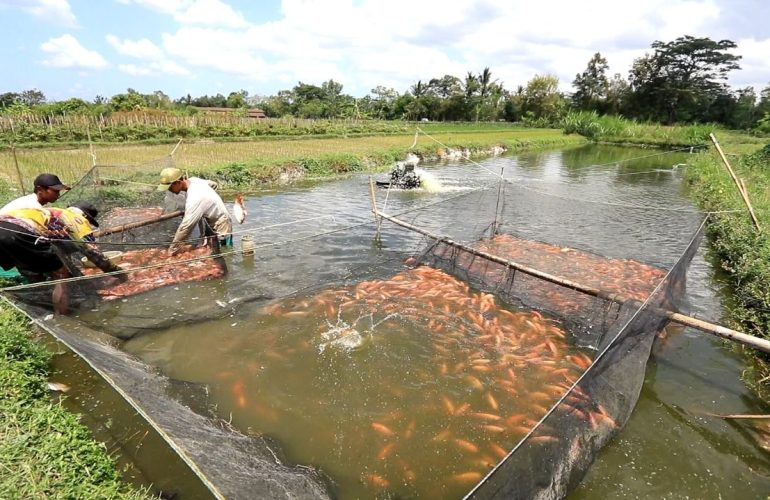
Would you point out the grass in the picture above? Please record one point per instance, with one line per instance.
(743, 252)
(259, 161)
(45, 452)
(622, 131)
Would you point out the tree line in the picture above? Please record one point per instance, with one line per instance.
(681, 81)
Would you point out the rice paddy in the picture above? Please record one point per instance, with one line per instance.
(20, 166)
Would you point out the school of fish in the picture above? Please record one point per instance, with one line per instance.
(626, 277)
(485, 372)
(142, 280)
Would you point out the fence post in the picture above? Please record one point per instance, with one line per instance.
(739, 183)
(18, 170)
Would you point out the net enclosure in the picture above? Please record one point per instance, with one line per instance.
(334, 365)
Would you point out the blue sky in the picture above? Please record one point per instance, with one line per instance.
(85, 48)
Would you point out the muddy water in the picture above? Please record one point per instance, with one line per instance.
(260, 372)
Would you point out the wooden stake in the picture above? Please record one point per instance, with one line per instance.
(741, 187)
(18, 170)
(718, 330)
(739, 416)
(372, 197)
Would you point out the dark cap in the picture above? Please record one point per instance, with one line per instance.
(50, 181)
(89, 211)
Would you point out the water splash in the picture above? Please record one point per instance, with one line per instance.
(428, 182)
(345, 336)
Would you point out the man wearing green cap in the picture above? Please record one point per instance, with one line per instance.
(202, 204)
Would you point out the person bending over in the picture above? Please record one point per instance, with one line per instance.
(202, 204)
(39, 242)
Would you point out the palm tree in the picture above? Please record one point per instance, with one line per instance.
(418, 89)
(486, 85)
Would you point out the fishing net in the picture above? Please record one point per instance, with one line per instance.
(139, 222)
(406, 365)
(581, 399)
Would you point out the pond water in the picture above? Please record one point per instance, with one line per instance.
(292, 364)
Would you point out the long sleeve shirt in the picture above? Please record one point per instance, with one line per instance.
(53, 223)
(203, 203)
(27, 201)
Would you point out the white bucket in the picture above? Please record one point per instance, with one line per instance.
(247, 244)
(113, 256)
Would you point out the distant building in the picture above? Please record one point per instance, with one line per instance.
(255, 113)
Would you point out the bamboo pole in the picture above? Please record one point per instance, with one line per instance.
(18, 170)
(738, 183)
(718, 330)
(739, 416)
(134, 225)
(373, 199)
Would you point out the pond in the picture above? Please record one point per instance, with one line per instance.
(322, 381)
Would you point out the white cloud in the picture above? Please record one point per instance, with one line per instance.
(56, 12)
(140, 49)
(211, 13)
(66, 52)
(196, 12)
(755, 64)
(224, 51)
(162, 6)
(170, 68)
(134, 70)
(365, 43)
(155, 68)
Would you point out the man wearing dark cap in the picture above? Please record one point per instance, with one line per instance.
(47, 188)
(39, 241)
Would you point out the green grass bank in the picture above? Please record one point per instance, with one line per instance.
(251, 164)
(743, 252)
(45, 452)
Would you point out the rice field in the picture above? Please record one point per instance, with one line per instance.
(207, 155)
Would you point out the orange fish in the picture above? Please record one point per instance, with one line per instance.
(450, 407)
(467, 445)
(545, 439)
(498, 450)
(382, 429)
(377, 480)
(492, 401)
(485, 416)
(466, 477)
(386, 451)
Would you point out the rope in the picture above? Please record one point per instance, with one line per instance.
(614, 204)
(191, 240)
(451, 149)
(252, 231)
(129, 182)
(497, 205)
(671, 151)
(641, 207)
(185, 261)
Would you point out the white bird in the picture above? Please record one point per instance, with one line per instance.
(239, 211)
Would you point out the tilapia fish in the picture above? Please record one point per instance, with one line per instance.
(239, 210)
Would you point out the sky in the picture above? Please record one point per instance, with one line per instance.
(89, 48)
